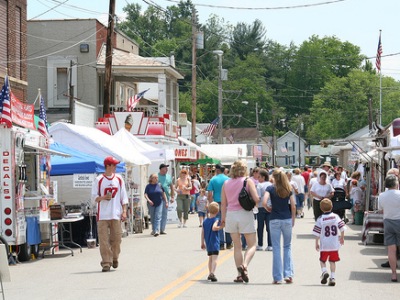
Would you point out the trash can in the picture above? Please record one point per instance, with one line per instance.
(359, 218)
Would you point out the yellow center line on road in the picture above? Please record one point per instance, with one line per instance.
(186, 276)
(202, 274)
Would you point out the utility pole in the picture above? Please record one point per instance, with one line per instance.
(220, 104)
(108, 65)
(257, 124)
(71, 95)
(300, 129)
(194, 76)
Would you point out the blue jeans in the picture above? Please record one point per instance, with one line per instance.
(164, 216)
(284, 228)
(193, 204)
(224, 237)
(299, 201)
(263, 218)
(155, 216)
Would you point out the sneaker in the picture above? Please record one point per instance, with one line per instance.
(184, 226)
(200, 225)
(115, 264)
(156, 234)
(269, 248)
(324, 278)
(259, 248)
(222, 247)
(163, 232)
(288, 279)
(298, 216)
(152, 233)
(332, 282)
(302, 215)
(180, 225)
(229, 246)
(106, 269)
(386, 265)
(212, 277)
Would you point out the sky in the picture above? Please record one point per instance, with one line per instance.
(356, 21)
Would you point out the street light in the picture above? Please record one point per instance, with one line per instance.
(219, 53)
(257, 123)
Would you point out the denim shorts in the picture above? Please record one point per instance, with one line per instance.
(201, 214)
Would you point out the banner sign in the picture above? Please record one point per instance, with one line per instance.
(22, 113)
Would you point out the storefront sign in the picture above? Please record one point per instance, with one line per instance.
(83, 180)
(6, 175)
(185, 153)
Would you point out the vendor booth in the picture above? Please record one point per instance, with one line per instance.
(97, 143)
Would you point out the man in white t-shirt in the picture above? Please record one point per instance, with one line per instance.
(108, 191)
(389, 203)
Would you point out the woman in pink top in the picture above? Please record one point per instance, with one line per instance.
(237, 220)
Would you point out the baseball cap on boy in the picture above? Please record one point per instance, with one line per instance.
(110, 160)
(163, 166)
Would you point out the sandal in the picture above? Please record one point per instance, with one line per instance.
(238, 279)
(243, 272)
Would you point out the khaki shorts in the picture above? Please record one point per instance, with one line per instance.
(240, 221)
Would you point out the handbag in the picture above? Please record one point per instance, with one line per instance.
(244, 198)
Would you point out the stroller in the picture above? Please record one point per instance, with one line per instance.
(340, 204)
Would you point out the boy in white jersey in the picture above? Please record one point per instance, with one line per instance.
(329, 232)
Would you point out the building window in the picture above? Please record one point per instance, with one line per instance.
(62, 84)
(61, 80)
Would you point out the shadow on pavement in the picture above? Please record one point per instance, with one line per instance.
(371, 277)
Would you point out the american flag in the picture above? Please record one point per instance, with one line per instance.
(133, 101)
(378, 55)
(210, 128)
(284, 149)
(5, 104)
(42, 125)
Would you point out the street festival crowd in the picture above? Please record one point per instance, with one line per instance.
(278, 198)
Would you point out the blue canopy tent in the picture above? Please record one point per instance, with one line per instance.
(77, 163)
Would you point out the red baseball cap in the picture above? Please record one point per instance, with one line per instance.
(110, 160)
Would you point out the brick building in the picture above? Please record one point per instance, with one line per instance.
(13, 45)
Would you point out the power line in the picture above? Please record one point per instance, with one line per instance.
(263, 8)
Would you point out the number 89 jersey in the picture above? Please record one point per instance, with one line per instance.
(328, 228)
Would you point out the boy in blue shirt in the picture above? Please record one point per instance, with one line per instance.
(210, 239)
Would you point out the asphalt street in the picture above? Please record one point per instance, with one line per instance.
(173, 266)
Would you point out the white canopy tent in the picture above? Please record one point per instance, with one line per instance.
(152, 153)
(95, 142)
(226, 153)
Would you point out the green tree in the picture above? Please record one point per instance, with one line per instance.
(341, 107)
(317, 61)
(247, 39)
